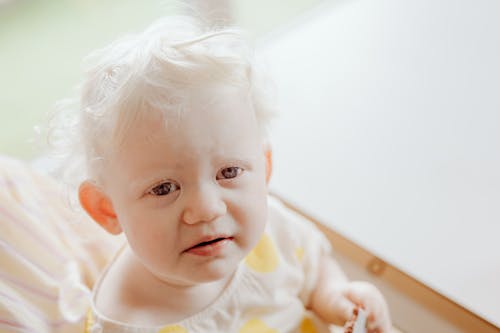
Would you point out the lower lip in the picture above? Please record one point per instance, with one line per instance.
(210, 249)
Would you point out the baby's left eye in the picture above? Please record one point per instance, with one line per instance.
(228, 173)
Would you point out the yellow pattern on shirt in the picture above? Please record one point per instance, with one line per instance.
(307, 326)
(89, 321)
(299, 253)
(264, 257)
(256, 326)
(173, 329)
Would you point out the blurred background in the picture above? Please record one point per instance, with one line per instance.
(42, 43)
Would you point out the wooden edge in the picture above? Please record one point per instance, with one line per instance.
(438, 304)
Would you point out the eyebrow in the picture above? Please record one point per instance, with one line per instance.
(139, 185)
(246, 162)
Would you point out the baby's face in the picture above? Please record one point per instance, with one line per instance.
(191, 196)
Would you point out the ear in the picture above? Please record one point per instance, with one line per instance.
(269, 162)
(99, 207)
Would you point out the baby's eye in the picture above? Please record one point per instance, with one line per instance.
(228, 173)
(164, 188)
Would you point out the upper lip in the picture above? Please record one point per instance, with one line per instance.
(208, 238)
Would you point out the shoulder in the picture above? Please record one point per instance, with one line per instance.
(282, 219)
(293, 231)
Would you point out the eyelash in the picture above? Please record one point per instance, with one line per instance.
(172, 187)
(234, 168)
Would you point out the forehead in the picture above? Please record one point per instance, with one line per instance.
(218, 120)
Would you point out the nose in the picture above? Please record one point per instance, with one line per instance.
(204, 204)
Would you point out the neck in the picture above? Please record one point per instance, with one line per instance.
(178, 300)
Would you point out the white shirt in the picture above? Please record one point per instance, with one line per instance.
(268, 291)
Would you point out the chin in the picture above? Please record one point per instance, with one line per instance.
(213, 271)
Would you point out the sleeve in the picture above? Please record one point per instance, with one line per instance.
(303, 241)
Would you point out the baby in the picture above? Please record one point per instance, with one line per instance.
(174, 128)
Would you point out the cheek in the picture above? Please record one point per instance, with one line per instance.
(255, 222)
(149, 233)
(251, 215)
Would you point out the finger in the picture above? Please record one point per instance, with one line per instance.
(342, 311)
(380, 324)
(373, 303)
(362, 294)
(382, 317)
(376, 330)
(372, 326)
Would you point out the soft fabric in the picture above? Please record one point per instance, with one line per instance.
(267, 292)
(50, 254)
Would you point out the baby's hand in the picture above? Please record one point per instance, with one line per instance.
(366, 296)
(335, 298)
(336, 305)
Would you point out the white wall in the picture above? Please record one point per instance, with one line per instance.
(390, 133)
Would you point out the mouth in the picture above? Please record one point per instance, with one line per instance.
(209, 246)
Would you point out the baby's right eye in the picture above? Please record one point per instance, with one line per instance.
(164, 189)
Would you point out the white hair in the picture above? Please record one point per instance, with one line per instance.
(150, 72)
